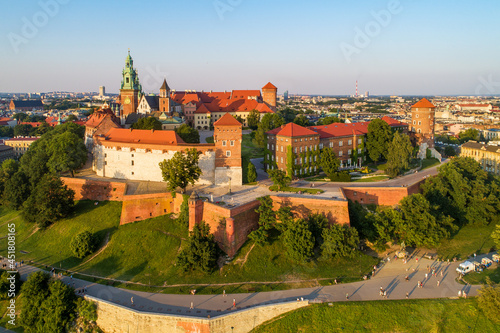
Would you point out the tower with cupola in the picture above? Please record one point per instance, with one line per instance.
(130, 89)
(164, 99)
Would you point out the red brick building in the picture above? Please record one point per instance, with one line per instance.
(422, 122)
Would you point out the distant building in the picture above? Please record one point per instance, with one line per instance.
(148, 104)
(422, 122)
(11, 122)
(99, 123)
(102, 91)
(6, 152)
(488, 155)
(20, 144)
(491, 134)
(285, 96)
(130, 89)
(27, 105)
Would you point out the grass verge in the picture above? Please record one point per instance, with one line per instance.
(274, 188)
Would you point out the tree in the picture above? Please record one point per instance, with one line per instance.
(385, 222)
(339, 241)
(329, 120)
(269, 121)
(496, 236)
(317, 222)
(67, 153)
(23, 130)
(147, 124)
(79, 130)
(489, 300)
(34, 291)
(6, 131)
(285, 216)
(378, 139)
(253, 119)
(329, 163)
(469, 134)
(58, 309)
(7, 169)
(201, 251)
(181, 170)
(398, 157)
(267, 220)
(21, 116)
(17, 190)
(279, 178)
(87, 315)
(188, 134)
(298, 240)
(71, 117)
(83, 244)
(50, 201)
(449, 151)
(252, 173)
(6, 280)
(302, 120)
(240, 119)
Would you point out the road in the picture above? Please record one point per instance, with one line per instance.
(390, 276)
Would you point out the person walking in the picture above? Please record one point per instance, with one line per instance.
(407, 295)
(426, 276)
(132, 300)
(459, 293)
(438, 283)
(418, 284)
(234, 302)
(192, 306)
(347, 296)
(224, 293)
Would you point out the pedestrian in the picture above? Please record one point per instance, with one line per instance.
(441, 273)
(132, 300)
(192, 306)
(416, 260)
(459, 293)
(407, 278)
(407, 295)
(336, 281)
(428, 268)
(426, 276)
(465, 295)
(388, 260)
(438, 283)
(234, 302)
(385, 293)
(421, 285)
(418, 284)
(346, 296)
(224, 293)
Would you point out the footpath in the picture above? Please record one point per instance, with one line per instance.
(389, 276)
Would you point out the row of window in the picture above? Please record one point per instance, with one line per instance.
(224, 143)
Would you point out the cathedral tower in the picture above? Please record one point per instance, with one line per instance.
(164, 97)
(130, 89)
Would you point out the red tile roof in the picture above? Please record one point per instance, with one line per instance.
(269, 85)
(423, 103)
(202, 109)
(294, 130)
(339, 129)
(143, 136)
(33, 124)
(392, 121)
(227, 120)
(245, 94)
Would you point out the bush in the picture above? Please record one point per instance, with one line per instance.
(83, 244)
(252, 173)
(298, 240)
(489, 301)
(342, 176)
(201, 251)
(5, 284)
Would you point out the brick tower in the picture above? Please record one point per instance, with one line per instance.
(422, 122)
(130, 89)
(270, 95)
(164, 97)
(227, 138)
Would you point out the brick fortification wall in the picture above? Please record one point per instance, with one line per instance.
(96, 190)
(380, 196)
(232, 226)
(113, 318)
(146, 206)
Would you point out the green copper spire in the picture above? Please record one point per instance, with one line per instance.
(130, 77)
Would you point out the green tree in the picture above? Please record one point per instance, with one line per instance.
(378, 139)
(339, 241)
(240, 119)
(201, 251)
(21, 116)
(279, 178)
(5, 282)
(469, 134)
(329, 163)
(71, 117)
(23, 130)
(450, 151)
(329, 120)
(34, 162)
(317, 222)
(269, 121)
(50, 201)
(7, 169)
(67, 153)
(385, 222)
(284, 216)
(298, 240)
(181, 170)
(302, 120)
(188, 134)
(6, 131)
(148, 124)
(58, 309)
(489, 300)
(252, 173)
(34, 291)
(17, 190)
(253, 119)
(42, 129)
(79, 130)
(399, 155)
(83, 244)
(496, 236)
(267, 220)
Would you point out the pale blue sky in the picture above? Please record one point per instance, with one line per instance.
(425, 47)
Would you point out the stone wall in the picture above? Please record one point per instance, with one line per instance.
(146, 206)
(86, 189)
(113, 318)
(380, 196)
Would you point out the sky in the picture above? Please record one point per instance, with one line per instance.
(391, 47)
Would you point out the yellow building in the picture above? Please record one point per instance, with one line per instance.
(20, 144)
(488, 155)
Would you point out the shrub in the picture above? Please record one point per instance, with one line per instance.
(83, 244)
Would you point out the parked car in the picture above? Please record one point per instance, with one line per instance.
(486, 262)
(466, 267)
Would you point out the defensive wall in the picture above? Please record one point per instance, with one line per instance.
(380, 196)
(86, 189)
(114, 318)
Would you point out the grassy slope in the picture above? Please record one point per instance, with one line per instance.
(385, 316)
(248, 149)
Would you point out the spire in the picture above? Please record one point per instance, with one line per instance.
(165, 86)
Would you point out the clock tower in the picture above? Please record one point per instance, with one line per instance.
(130, 89)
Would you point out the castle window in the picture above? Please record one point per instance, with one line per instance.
(268, 146)
(232, 142)
(414, 122)
(340, 153)
(132, 173)
(359, 141)
(349, 142)
(281, 148)
(224, 143)
(228, 153)
(341, 143)
(132, 163)
(126, 79)
(349, 152)
(416, 116)
(419, 123)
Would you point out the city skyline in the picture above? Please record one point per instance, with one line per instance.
(390, 47)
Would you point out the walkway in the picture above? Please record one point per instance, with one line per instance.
(390, 276)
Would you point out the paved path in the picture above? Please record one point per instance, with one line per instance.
(390, 276)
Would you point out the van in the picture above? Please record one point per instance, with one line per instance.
(465, 267)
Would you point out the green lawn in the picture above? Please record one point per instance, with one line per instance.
(295, 189)
(469, 240)
(371, 179)
(249, 150)
(385, 316)
(4, 320)
(493, 272)
(429, 163)
(145, 252)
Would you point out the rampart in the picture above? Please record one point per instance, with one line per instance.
(86, 189)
